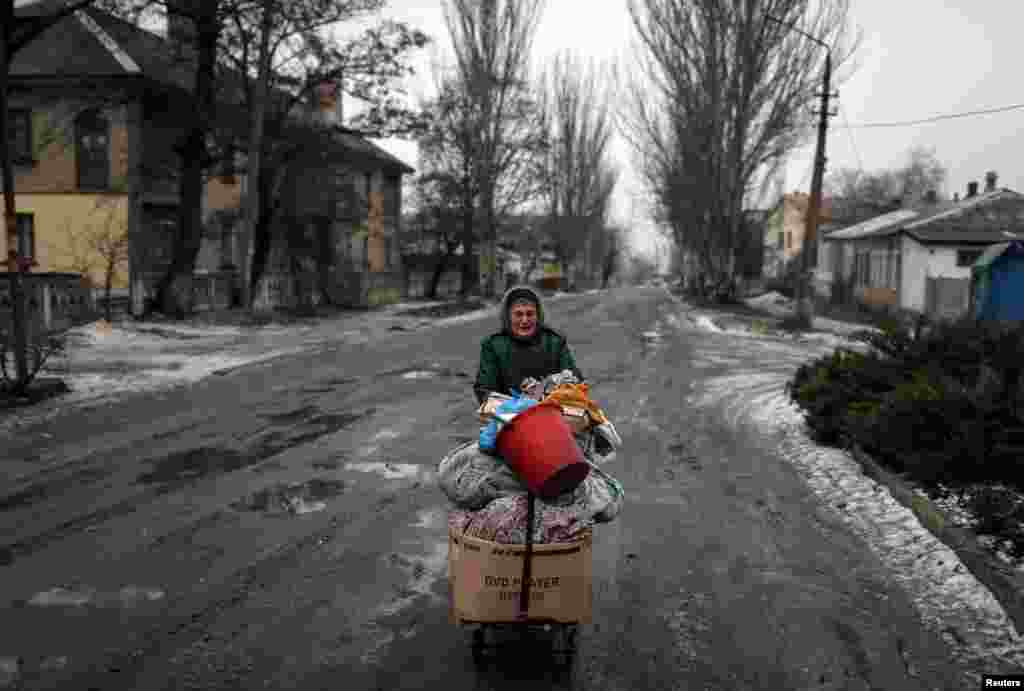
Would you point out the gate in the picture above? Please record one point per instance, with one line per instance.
(947, 298)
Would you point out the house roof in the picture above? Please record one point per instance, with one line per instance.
(932, 224)
(958, 236)
(92, 43)
(879, 225)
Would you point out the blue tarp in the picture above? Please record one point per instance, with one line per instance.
(999, 284)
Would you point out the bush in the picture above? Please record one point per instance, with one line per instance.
(943, 407)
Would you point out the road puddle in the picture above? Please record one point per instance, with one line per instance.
(192, 464)
(293, 499)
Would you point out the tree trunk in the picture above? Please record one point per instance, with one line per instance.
(172, 287)
(255, 187)
(261, 238)
(18, 316)
(108, 283)
(435, 277)
(470, 265)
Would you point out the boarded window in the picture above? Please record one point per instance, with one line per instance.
(92, 147)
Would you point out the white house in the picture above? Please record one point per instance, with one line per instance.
(919, 259)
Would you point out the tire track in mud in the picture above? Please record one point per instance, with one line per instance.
(170, 473)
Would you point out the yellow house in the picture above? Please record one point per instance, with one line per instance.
(83, 111)
(96, 107)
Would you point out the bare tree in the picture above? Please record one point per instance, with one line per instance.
(723, 95)
(451, 167)
(288, 60)
(580, 177)
(100, 247)
(856, 191)
(492, 41)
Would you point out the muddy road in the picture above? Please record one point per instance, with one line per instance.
(279, 527)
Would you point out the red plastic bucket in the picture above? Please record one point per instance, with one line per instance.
(539, 445)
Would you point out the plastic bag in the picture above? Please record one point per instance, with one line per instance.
(506, 412)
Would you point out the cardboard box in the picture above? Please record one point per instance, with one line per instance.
(486, 580)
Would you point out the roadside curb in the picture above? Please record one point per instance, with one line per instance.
(1005, 583)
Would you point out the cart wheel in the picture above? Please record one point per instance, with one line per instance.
(478, 646)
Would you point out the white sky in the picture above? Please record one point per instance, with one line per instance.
(918, 58)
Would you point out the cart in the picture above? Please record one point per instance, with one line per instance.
(557, 637)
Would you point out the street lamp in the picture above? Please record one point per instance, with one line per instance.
(804, 305)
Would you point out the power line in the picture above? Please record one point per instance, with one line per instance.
(937, 118)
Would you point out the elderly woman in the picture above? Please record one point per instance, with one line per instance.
(524, 348)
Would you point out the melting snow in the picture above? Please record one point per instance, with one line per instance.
(391, 471)
(705, 322)
(79, 597)
(419, 374)
(944, 592)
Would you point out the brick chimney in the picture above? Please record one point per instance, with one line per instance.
(328, 103)
(972, 189)
(931, 196)
(991, 177)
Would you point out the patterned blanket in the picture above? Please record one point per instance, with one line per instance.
(490, 500)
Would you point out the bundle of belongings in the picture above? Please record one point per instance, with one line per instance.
(490, 499)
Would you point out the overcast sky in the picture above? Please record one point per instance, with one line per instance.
(919, 58)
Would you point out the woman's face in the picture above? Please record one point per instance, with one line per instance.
(523, 316)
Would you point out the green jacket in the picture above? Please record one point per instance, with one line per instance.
(506, 361)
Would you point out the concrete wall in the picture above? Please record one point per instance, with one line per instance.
(921, 262)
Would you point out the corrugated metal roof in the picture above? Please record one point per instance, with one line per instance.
(877, 226)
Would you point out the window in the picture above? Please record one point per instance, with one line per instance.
(392, 188)
(26, 229)
(789, 239)
(967, 257)
(92, 146)
(388, 261)
(19, 136)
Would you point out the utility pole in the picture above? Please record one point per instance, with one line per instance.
(805, 286)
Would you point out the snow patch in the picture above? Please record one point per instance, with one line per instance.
(390, 471)
(940, 586)
(705, 322)
(80, 597)
(419, 374)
